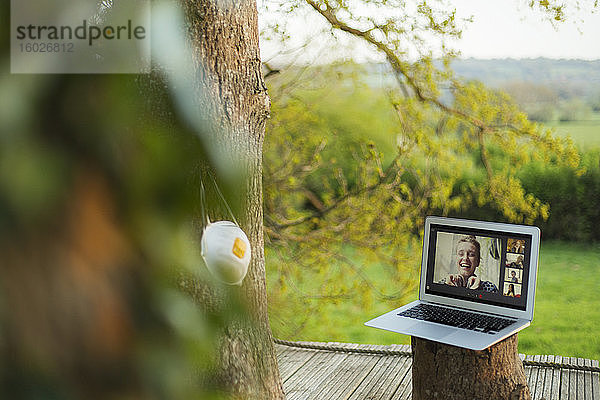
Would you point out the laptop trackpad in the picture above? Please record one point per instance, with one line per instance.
(429, 331)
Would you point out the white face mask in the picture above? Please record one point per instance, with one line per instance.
(226, 251)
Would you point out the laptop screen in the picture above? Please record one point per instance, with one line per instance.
(484, 266)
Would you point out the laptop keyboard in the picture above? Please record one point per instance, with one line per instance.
(458, 318)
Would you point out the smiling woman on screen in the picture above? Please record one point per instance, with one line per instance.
(468, 257)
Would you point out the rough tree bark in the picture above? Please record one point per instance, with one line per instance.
(446, 372)
(235, 105)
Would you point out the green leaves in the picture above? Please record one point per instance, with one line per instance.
(354, 161)
(351, 169)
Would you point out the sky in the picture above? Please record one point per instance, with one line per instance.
(500, 29)
(508, 28)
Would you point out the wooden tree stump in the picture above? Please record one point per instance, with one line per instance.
(447, 372)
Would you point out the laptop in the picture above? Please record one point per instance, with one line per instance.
(477, 284)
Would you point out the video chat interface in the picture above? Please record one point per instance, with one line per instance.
(504, 258)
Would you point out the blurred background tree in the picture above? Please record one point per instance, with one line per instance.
(97, 194)
(103, 292)
(538, 101)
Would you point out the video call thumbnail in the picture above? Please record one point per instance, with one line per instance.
(514, 260)
(512, 289)
(513, 273)
(515, 246)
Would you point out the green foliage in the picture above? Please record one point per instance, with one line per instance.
(325, 184)
(539, 101)
(343, 205)
(348, 178)
(304, 306)
(339, 200)
(331, 114)
(573, 196)
(574, 110)
(333, 181)
(594, 102)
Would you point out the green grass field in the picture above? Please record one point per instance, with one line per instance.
(566, 320)
(585, 134)
(567, 313)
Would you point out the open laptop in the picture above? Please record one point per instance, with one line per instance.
(477, 284)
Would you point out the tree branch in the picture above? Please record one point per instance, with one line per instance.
(484, 156)
(329, 14)
(326, 210)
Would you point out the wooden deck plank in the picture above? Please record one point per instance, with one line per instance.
(331, 375)
(313, 373)
(552, 391)
(347, 376)
(297, 360)
(383, 373)
(587, 379)
(580, 379)
(538, 394)
(375, 364)
(324, 374)
(538, 380)
(404, 386)
(531, 375)
(595, 381)
(564, 380)
(396, 379)
(368, 384)
(571, 393)
(292, 360)
(286, 358)
(367, 369)
(334, 373)
(404, 391)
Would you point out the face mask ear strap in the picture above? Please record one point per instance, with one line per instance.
(224, 201)
(204, 214)
(205, 218)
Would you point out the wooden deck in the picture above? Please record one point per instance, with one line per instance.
(347, 371)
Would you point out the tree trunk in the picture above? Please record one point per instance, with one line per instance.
(235, 106)
(446, 372)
